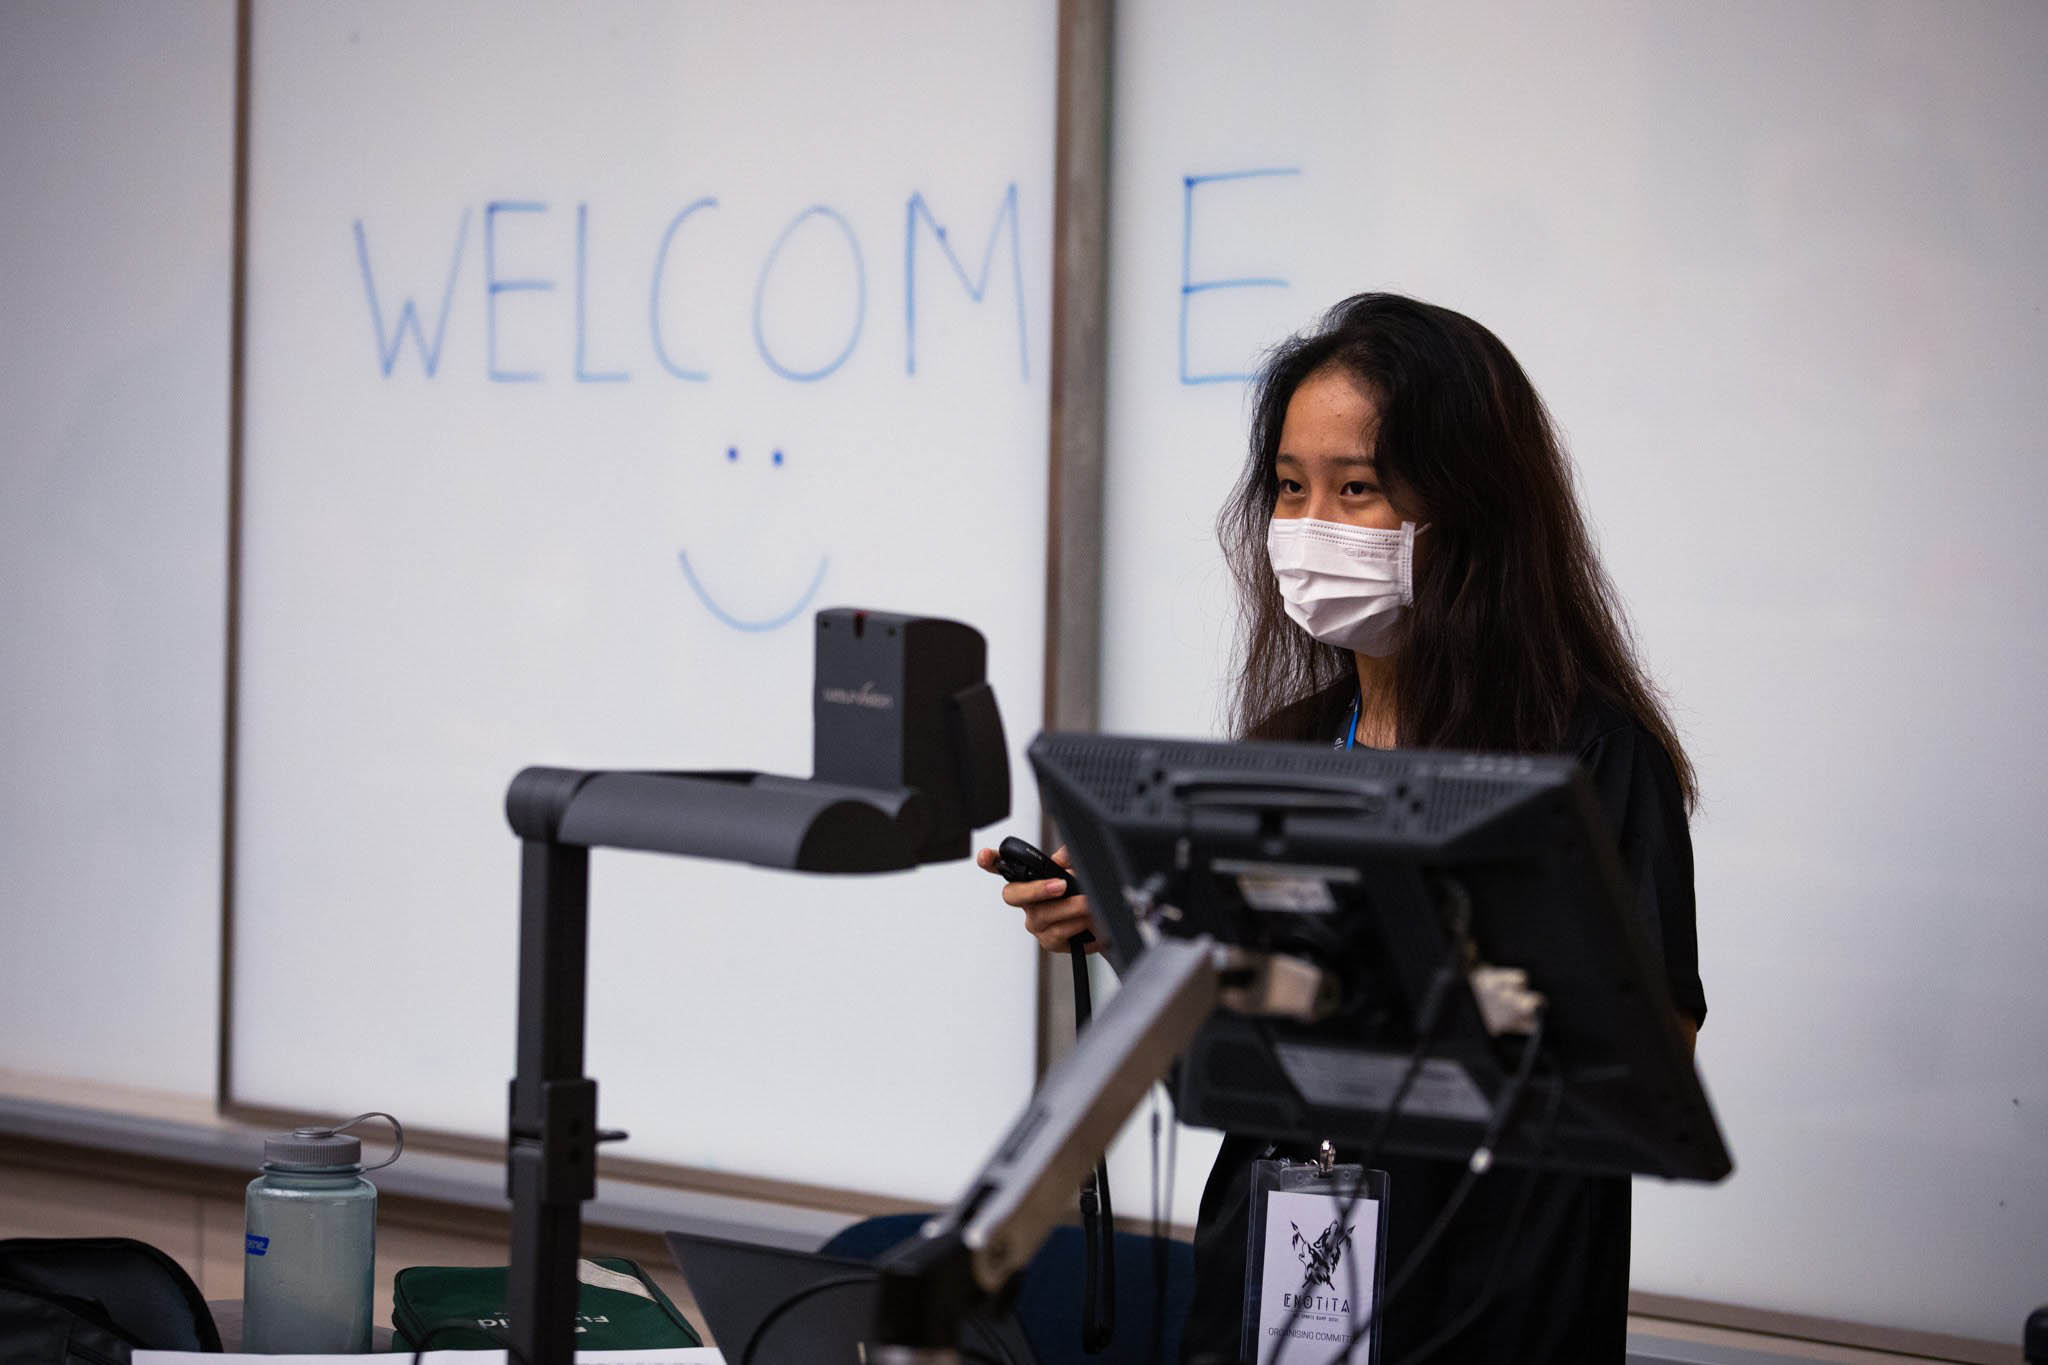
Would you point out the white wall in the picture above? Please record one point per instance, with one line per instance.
(116, 232)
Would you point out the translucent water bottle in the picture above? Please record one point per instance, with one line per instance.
(310, 1248)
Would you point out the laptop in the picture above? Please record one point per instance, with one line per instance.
(800, 1308)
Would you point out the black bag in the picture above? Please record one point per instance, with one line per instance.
(94, 1300)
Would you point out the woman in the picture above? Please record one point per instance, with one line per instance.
(1414, 571)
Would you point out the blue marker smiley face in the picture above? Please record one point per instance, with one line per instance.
(772, 620)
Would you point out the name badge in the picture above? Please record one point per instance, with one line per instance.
(1316, 1262)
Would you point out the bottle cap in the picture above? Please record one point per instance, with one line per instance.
(313, 1147)
(329, 1148)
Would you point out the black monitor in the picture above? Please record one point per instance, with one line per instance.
(1391, 871)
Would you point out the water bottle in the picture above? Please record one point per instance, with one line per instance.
(310, 1248)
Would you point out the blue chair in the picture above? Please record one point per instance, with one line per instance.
(1048, 1304)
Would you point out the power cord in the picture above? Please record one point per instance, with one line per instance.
(1507, 1241)
(1098, 1215)
(782, 1309)
(1162, 1214)
(1430, 1020)
(1477, 1165)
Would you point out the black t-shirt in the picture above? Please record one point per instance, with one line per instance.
(1563, 1296)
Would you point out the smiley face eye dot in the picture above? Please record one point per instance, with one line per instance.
(732, 452)
(778, 457)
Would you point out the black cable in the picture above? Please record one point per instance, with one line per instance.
(987, 1330)
(1514, 1226)
(1478, 1165)
(1351, 1273)
(776, 1313)
(1098, 1261)
(1439, 994)
(760, 1332)
(1162, 1209)
(1429, 1019)
(1098, 1215)
(1172, 1161)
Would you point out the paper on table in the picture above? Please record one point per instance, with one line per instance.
(688, 1355)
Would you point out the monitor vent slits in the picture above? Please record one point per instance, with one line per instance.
(1120, 775)
(1455, 801)
(1107, 771)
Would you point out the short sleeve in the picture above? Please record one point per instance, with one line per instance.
(1638, 788)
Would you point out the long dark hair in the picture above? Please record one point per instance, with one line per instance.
(1513, 620)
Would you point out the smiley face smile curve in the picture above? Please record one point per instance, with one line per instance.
(712, 604)
(745, 623)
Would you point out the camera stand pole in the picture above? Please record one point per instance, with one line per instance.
(559, 815)
(551, 1161)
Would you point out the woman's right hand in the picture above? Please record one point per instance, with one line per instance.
(1051, 916)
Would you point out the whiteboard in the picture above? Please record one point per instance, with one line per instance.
(590, 350)
(114, 308)
(1777, 270)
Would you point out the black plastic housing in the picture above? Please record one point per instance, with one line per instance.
(904, 701)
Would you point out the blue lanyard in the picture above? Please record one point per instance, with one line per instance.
(1350, 735)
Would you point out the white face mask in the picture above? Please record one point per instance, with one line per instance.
(1345, 585)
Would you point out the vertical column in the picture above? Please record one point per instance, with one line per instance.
(1079, 383)
(551, 1163)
